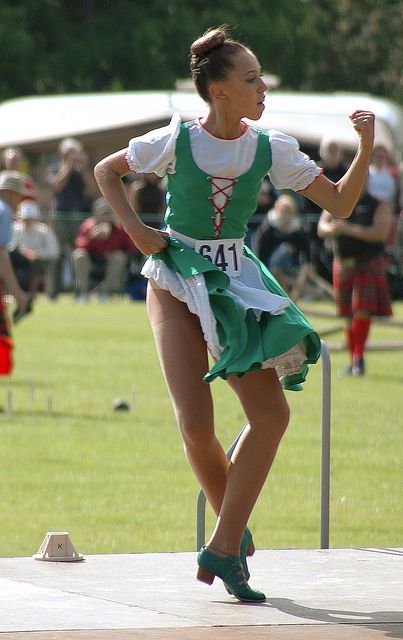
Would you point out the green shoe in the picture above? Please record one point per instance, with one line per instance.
(247, 549)
(230, 570)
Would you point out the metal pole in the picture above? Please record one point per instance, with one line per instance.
(201, 503)
(201, 520)
(325, 461)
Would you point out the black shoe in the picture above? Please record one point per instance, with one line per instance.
(358, 368)
(21, 313)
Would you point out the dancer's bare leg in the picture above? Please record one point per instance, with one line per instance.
(231, 489)
(183, 357)
(263, 400)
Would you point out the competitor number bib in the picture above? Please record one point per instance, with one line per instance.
(224, 254)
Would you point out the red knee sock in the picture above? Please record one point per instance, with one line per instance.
(359, 330)
(350, 340)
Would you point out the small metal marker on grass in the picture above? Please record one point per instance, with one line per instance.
(50, 404)
(133, 400)
(32, 390)
(9, 402)
(57, 547)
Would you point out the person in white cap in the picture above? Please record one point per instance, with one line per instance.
(14, 187)
(34, 248)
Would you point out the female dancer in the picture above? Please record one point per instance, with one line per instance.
(208, 290)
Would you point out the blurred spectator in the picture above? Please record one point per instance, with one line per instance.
(14, 187)
(266, 198)
(399, 231)
(102, 250)
(332, 164)
(382, 182)
(33, 249)
(281, 242)
(13, 159)
(147, 196)
(334, 168)
(400, 182)
(359, 271)
(331, 159)
(74, 188)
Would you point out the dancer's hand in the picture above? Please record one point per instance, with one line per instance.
(149, 240)
(364, 125)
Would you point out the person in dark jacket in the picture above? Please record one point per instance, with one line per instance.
(282, 244)
(359, 277)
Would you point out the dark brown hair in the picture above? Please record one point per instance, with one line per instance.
(211, 58)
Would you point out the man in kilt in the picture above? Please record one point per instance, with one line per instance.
(359, 271)
(14, 187)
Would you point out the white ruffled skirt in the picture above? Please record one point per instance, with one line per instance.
(248, 291)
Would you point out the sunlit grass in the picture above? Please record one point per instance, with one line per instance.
(119, 482)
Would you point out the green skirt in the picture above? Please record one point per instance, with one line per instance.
(247, 339)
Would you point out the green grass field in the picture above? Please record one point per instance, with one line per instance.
(119, 482)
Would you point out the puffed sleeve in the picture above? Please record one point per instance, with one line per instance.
(154, 152)
(291, 169)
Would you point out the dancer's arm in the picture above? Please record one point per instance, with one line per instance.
(108, 174)
(340, 198)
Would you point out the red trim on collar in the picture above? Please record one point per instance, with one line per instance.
(246, 127)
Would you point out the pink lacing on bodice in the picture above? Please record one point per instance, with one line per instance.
(218, 218)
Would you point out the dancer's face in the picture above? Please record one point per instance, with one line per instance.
(244, 89)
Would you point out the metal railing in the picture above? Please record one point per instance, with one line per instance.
(325, 462)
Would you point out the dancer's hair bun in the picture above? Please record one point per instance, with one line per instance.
(209, 41)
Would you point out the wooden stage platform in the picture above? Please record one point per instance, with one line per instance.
(336, 594)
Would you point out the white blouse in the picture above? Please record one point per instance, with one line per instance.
(39, 238)
(154, 152)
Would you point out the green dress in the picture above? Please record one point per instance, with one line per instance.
(249, 338)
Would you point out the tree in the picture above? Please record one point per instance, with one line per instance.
(60, 46)
(357, 45)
